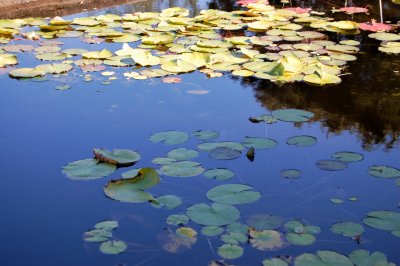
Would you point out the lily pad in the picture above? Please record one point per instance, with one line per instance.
(163, 160)
(219, 174)
(217, 214)
(300, 234)
(233, 194)
(290, 173)
(363, 257)
(97, 235)
(132, 190)
(234, 238)
(182, 169)
(347, 156)
(131, 173)
(237, 227)
(347, 229)
(229, 251)
(331, 165)
(383, 171)
(170, 137)
(259, 143)
(384, 220)
(208, 146)
(177, 219)
(224, 153)
(113, 247)
(205, 135)
(212, 230)
(88, 169)
(323, 258)
(292, 115)
(116, 157)
(107, 225)
(168, 201)
(181, 154)
(302, 141)
(264, 222)
(274, 262)
(263, 118)
(266, 239)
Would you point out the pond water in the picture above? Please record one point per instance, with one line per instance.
(45, 214)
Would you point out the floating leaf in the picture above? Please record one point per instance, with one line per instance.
(163, 160)
(234, 238)
(300, 234)
(331, 165)
(178, 66)
(274, 262)
(292, 115)
(363, 257)
(117, 157)
(177, 219)
(384, 36)
(347, 229)
(181, 154)
(208, 146)
(205, 135)
(107, 225)
(224, 153)
(132, 190)
(233, 194)
(182, 169)
(263, 118)
(264, 222)
(25, 73)
(259, 143)
(323, 258)
(170, 137)
(103, 54)
(336, 201)
(219, 174)
(131, 173)
(347, 156)
(266, 239)
(322, 78)
(97, 235)
(229, 251)
(168, 201)
(217, 214)
(113, 247)
(63, 87)
(290, 173)
(383, 171)
(212, 230)
(384, 220)
(88, 169)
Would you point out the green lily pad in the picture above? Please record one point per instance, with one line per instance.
(116, 157)
(132, 190)
(233, 194)
(266, 239)
(107, 225)
(384, 220)
(347, 229)
(131, 173)
(264, 222)
(103, 54)
(212, 230)
(217, 214)
(97, 235)
(290, 173)
(347, 156)
(237, 228)
(177, 219)
(263, 118)
(113, 247)
(179, 241)
(363, 257)
(384, 36)
(88, 169)
(182, 169)
(205, 135)
(300, 234)
(181, 154)
(383, 171)
(302, 141)
(219, 174)
(274, 262)
(163, 160)
(323, 258)
(209, 146)
(259, 143)
(331, 165)
(292, 115)
(168, 201)
(25, 73)
(170, 137)
(300, 239)
(234, 238)
(63, 87)
(224, 153)
(229, 251)
(336, 201)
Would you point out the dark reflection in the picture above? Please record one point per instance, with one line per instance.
(366, 103)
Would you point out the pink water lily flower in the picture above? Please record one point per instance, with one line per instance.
(246, 2)
(374, 26)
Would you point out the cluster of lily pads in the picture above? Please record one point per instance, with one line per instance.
(281, 45)
(220, 219)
